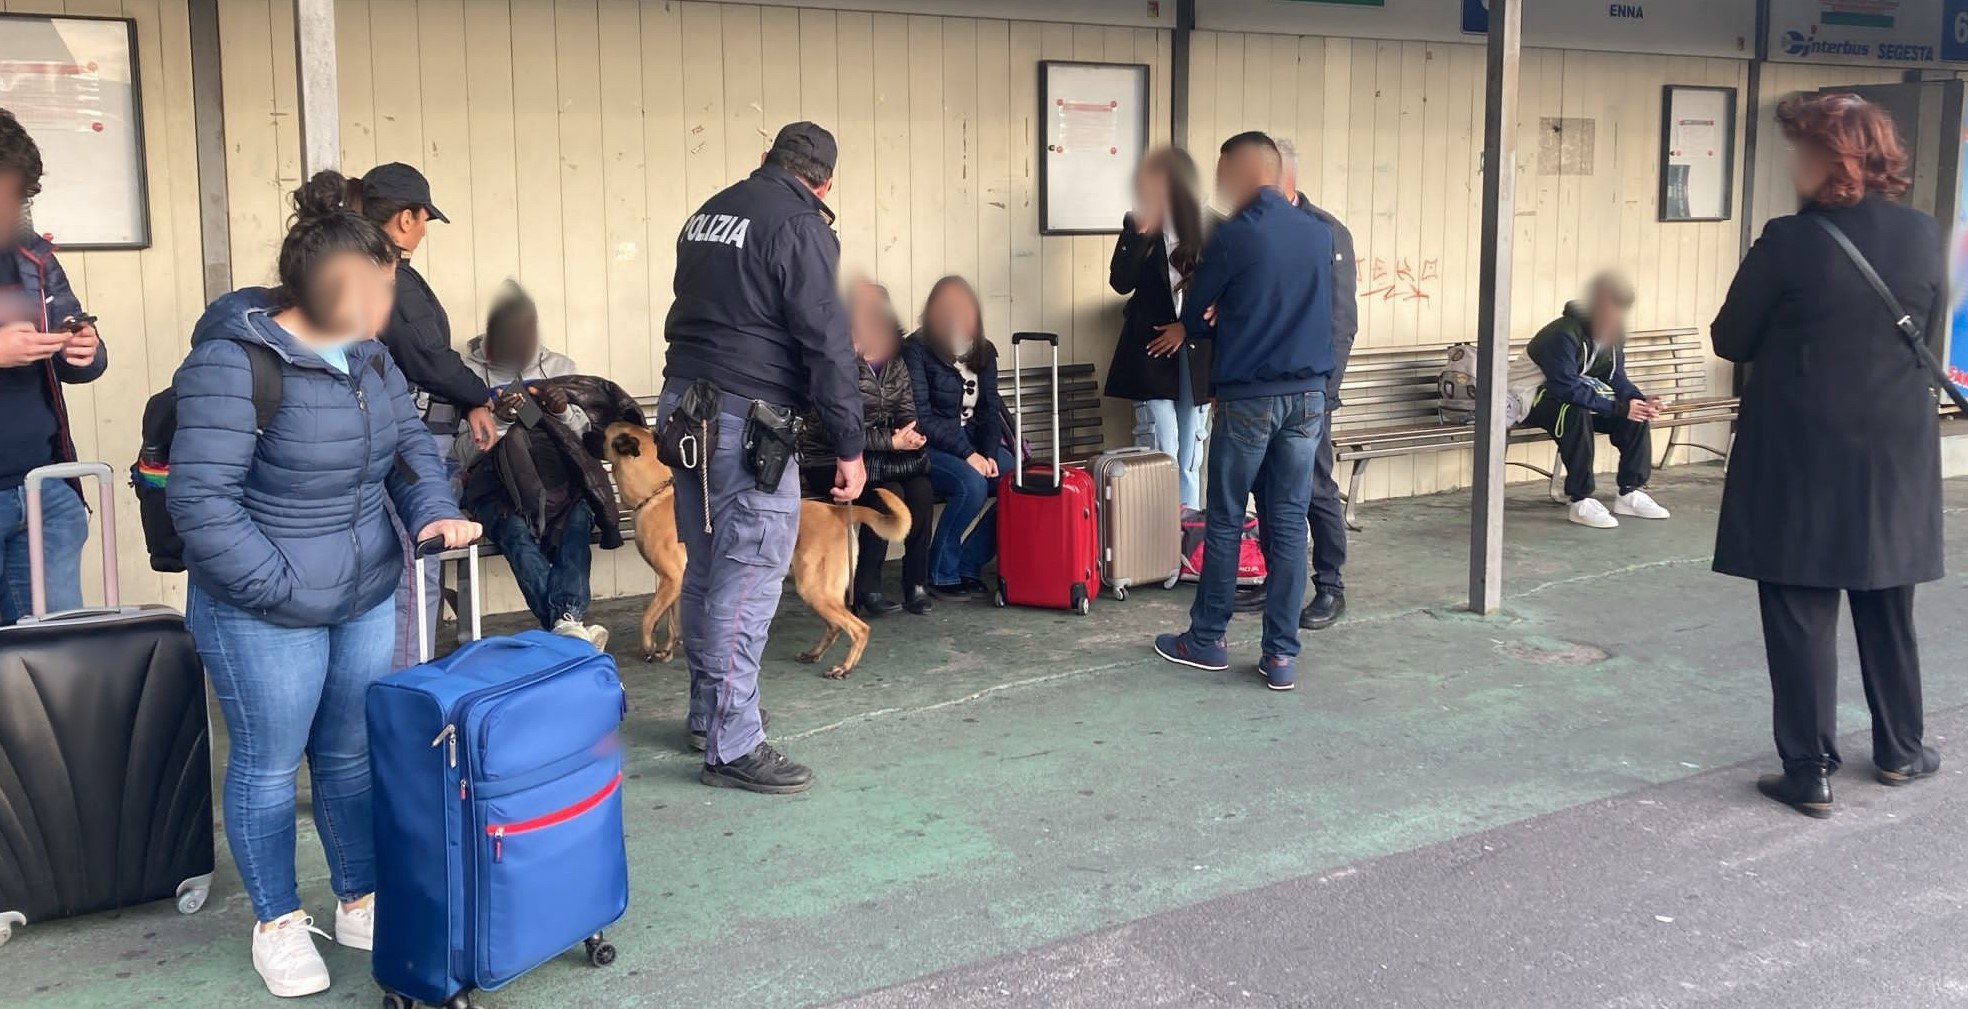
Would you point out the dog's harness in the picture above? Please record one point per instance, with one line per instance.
(656, 495)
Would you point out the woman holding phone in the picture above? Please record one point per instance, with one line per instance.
(293, 560)
(1155, 365)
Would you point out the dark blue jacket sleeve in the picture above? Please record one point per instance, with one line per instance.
(427, 498)
(1559, 361)
(988, 422)
(1622, 385)
(807, 263)
(62, 304)
(1207, 284)
(943, 433)
(210, 456)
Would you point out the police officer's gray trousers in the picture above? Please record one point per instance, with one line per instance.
(731, 587)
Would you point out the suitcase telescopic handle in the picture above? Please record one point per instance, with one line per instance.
(1018, 408)
(476, 604)
(37, 566)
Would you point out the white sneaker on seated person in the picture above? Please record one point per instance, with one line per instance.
(1639, 505)
(570, 626)
(1591, 513)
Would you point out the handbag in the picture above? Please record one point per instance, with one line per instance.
(1901, 320)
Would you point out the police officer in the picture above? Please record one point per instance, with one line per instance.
(757, 314)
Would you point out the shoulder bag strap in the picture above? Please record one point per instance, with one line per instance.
(1903, 321)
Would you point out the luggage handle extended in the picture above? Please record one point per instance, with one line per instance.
(1018, 407)
(423, 550)
(36, 564)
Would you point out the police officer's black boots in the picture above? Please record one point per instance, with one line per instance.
(762, 770)
(1806, 789)
(916, 599)
(874, 604)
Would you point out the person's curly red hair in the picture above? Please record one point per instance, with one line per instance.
(1859, 138)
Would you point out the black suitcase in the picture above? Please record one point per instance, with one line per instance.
(105, 748)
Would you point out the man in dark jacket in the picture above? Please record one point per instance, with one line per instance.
(46, 341)
(756, 314)
(1572, 382)
(1271, 321)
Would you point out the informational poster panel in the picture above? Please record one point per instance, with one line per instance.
(72, 82)
(1893, 33)
(1698, 136)
(1095, 130)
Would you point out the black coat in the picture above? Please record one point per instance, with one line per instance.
(1836, 477)
(1345, 298)
(418, 336)
(888, 404)
(939, 402)
(1140, 270)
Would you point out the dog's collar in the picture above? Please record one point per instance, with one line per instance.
(661, 489)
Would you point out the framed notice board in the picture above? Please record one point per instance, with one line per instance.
(72, 81)
(1698, 153)
(1093, 130)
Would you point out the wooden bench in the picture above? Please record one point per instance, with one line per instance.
(1392, 404)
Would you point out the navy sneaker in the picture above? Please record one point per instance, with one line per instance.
(1278, 671)
(1186, 649)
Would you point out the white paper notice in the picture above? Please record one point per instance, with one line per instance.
(1094, 137)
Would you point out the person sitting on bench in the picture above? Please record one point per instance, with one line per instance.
(1572, 382)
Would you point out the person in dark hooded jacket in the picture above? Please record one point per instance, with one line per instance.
(293, 559)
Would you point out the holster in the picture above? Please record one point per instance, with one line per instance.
(771, 441)
(689, 435)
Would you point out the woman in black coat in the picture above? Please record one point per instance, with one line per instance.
(1835, 482)
(1155, 365)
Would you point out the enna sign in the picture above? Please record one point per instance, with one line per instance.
(1894, 33)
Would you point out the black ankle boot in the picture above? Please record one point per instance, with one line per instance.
(1805, 789)
(874, 604)
(916, 599)
(1923, 766)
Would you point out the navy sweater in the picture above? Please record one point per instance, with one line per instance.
(1273, 315)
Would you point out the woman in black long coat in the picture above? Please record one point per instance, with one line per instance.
(1835, 482)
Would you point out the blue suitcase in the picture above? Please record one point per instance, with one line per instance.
(497, 781)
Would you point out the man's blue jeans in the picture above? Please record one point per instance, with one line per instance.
(1276, 438)
(554, 585)
(64, 528)
(952, 555)
(288, 692)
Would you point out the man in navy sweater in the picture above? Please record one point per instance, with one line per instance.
(1272, 322)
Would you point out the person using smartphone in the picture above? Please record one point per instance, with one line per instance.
(46, 342)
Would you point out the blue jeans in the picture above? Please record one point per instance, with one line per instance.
(553, 585)
(286, 692)
(1178, 427)
(1273, 440)
(731, 585)
(952, 555)
(64, 528)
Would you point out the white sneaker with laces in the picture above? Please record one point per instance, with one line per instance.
(1639, 505)
(284, 954)
(571, 626)
(355, 926)
(1590, 512)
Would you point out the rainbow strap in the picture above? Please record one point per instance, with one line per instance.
(153, 474)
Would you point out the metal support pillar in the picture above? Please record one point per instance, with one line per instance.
(314, 57)
(208, 123)
(1493, 306)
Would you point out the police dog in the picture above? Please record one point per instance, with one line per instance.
(822, 566)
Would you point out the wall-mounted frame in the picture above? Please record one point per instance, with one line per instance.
(1093, 130)
(72, 82)
(1697, 153)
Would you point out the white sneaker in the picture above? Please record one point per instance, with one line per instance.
(355, 927)
(1639, 505)
(284, 954)
(571, 627)
(1590, 512)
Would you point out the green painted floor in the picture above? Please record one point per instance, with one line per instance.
(990, 781)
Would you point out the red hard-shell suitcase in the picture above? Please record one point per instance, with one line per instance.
(105, 749)
(1048, 529)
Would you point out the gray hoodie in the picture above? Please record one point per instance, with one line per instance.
(546, 364)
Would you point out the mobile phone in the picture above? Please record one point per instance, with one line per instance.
(74, 323)
(529, 408)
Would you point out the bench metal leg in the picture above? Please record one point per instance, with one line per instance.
(1673, 442)
(1352, 495)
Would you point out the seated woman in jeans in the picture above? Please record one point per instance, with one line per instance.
(894, 457)
(955, 373)
(293, 560)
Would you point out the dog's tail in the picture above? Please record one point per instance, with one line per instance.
(890, 522)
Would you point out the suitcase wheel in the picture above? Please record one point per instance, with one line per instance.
(8, 919)
(1082, 603)
(1120, 593)
(601, 952)
(192, 893)
(998, 597)
(1171, 580)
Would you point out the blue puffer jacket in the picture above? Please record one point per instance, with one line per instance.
(290, 523)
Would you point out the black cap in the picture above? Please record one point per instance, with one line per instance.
(809, 139)
(400, 183)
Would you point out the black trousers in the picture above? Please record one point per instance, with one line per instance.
(1800, 636)
(920, 497)
(1328, 518)
(1573, 426)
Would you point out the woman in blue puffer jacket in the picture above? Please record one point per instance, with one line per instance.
(293, 561)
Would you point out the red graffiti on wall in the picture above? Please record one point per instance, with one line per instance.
(1400, 282)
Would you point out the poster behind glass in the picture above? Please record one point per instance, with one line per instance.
(72, 82)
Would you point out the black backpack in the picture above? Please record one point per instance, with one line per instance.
(152, 470)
